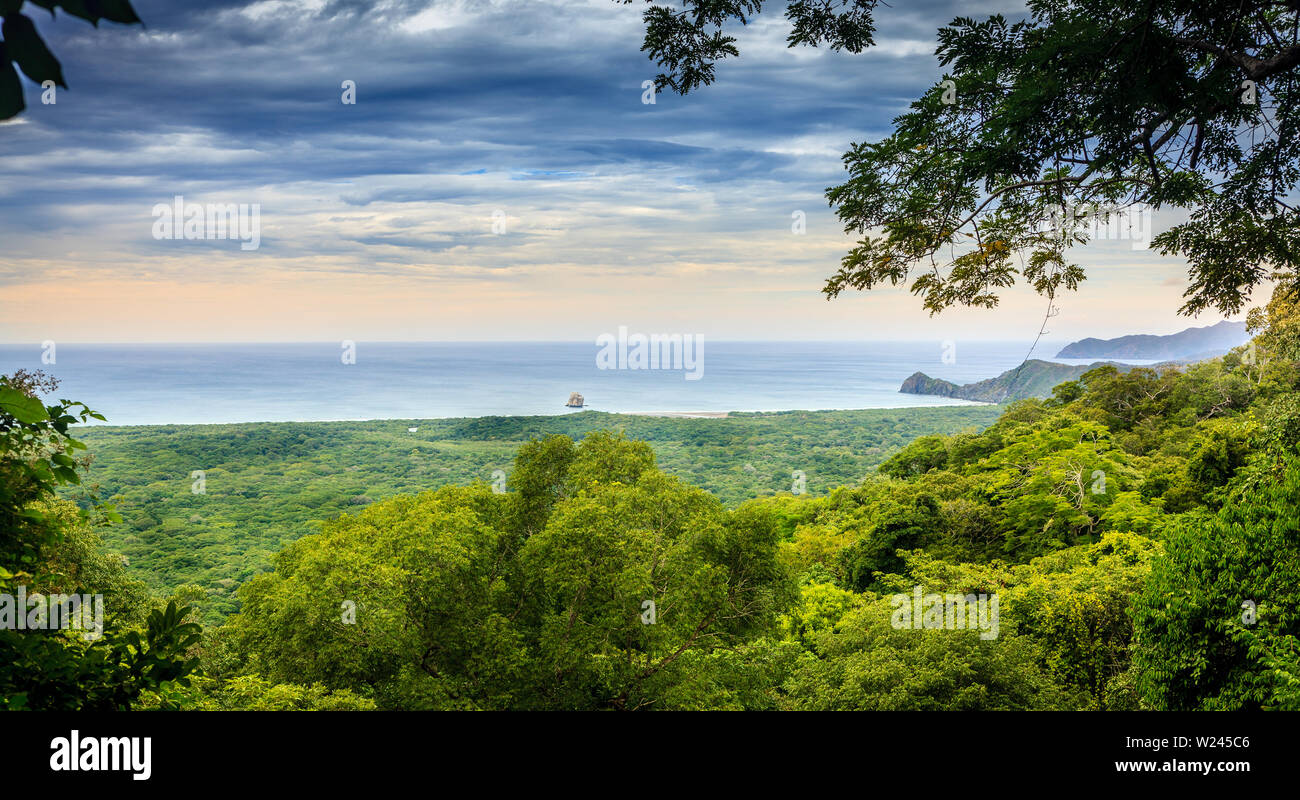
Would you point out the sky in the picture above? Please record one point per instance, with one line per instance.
(498, 177)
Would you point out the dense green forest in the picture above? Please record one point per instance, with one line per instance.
(266, 484)
(1137, 531)
(1128, 540)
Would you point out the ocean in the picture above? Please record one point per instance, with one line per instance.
(139, 384)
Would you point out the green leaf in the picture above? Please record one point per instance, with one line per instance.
(28, 50)
(11, 89)
(118, 11)
(27, 410)
(79, 8)
(94, 10)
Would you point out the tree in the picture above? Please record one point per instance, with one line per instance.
(600, 582)
(37, 455)
(408, 601)
(688, 42)
(251, 693)
(1047, 126)
(45, 546)
(896, 523)
(629, 579)
(1074, 603)
(1276, 327)
(539, 474)
(22, 45)
(862, 663)
(1218, 620)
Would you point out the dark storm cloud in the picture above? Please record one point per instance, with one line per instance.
(524, 104)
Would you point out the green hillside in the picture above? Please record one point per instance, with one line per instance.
(267, 484)
(1034, 378)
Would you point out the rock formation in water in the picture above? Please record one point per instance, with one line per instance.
(1034, 378)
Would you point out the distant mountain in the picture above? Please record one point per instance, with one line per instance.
(1193, 343)
(1034, 378)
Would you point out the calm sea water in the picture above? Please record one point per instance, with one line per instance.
(207, 383)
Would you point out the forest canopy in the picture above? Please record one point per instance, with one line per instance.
(1128, 543)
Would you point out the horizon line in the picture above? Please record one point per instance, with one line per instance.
(927, 340)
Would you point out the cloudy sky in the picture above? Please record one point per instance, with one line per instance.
(377, 218)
